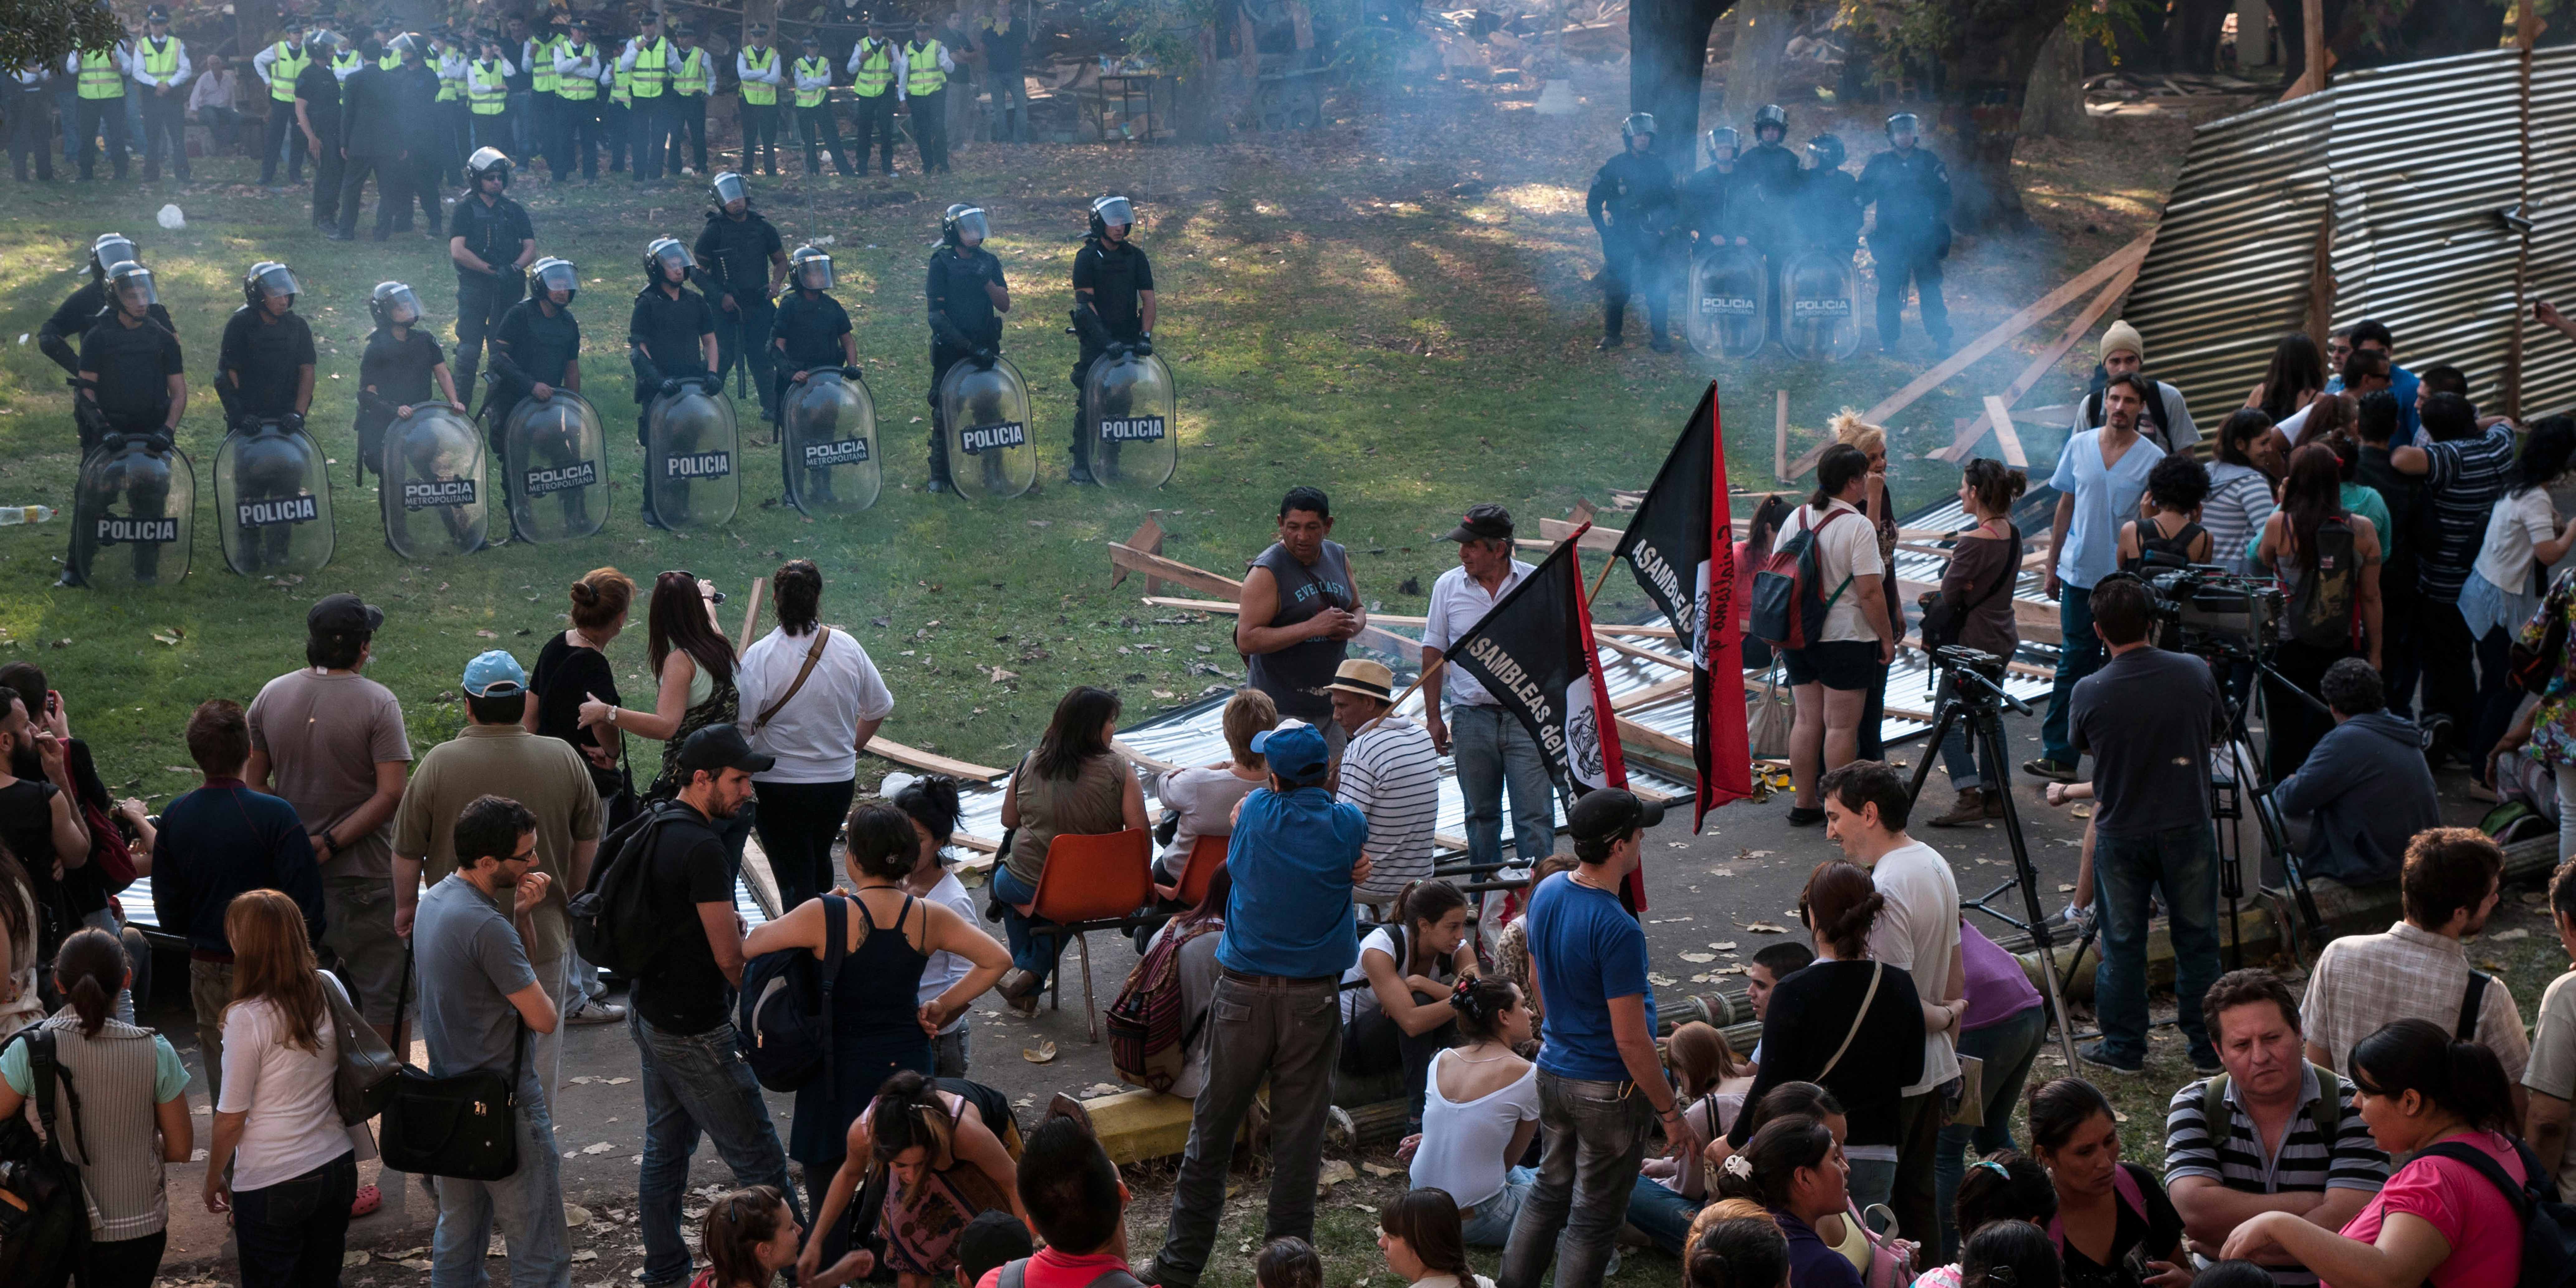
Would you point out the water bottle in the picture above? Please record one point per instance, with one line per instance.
(17, 514)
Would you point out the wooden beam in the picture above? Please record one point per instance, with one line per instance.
(1552, 531)
(2312, 27)
(1653, 740)
(1618, 645)
(1148, 537)
(2005, 437)
(929, 762)
(1122, 555)
(751, 616)
(2040, 366)
(1219, 606)
(1780, 437)
(1650, 695)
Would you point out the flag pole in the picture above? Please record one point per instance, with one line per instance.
(1434, 668)
(1606, 566)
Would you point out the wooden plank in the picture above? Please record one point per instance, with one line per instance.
(1780, 437)
(1148, 537)
(1158, 766)
(1617, 645)
(1392, 619)
(751, 616)
(1653, 740)
(1122, 555)
(2040, 366)
(1603, 540)
(929, 762)
(2005, 436)
(1650, 695)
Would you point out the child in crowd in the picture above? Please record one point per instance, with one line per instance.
(749, 1236)
(1288, 1262)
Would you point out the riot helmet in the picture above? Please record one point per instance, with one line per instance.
(1109, 212)
(810, 268)
(486, 163)
(549, 275)
(1904, 123)
(1826, 151)
(393, 304)
(405, 46)
(269, 278)
(964, 225)
(131, 283)
(1637, 123)
(663, 255)
(108, 251)
(1725, 143)
(1770, 116)
(729, 188)
(324, 43)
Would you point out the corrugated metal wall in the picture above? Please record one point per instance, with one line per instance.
(2405, 171)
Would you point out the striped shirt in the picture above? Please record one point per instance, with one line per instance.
(1393, 775)
(2304, 1161)
(2465, 478)
(2240, 502)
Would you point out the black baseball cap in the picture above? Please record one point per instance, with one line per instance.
(1485, 521)
(1610, 813)
(343, 615)
(721, 747)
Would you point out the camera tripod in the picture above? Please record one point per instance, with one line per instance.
(1970, 695)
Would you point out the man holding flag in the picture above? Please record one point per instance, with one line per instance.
(1492, 749)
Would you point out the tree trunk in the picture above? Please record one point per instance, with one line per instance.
(1667, 60)
(1762, 31)
(2055, 104)
(1994, 48)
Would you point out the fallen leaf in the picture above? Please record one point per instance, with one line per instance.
(1724, 946)
(619, 1082)
(1765, 928)
(170, 635)
(1665, 981)
(2063, 888)
(585, 1255)
(1699, 958)
(2081, 811)
(599, 1147)
(1001, 676)
(575, 1216)
(352, 1260)
(414, 1263)
(1044, 1053)
(404, 1255)
(2508, 936)
(1335, 1171)
(1377, 1169)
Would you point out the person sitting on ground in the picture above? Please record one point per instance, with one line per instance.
(1737, 1252)
(1418, 1233)
(2293, 1139)
(1771, 963)
(1511, 947)
(1480, 1114)
(2114, 1227)
(2171, 537)
(1712, 1080)
(945, 1167)
(1396, 1011)
(994, 1239)
(1074, 1199)
(749, 1236)
(2010, 1254)
(1288, 1262)
(1794, 1168)
(2364, 790)
(2426, 1095)
(1074, 784)
(1203, 797)
(1198, 932)
(2002, 1186)
(1391, 771)
(2549, 1082)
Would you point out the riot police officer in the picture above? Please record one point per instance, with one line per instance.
(1704, 195)
(132, 381)
(535, 351)
(1631, 195)
(1766, 193)
(968, 296)
(1911, 189)
(401, 366)
(265, 369)
(1113, 302)
(1828, 199)
(490, 241)
(670, 336)
(741, 262)
(812, 330)
(83, 308)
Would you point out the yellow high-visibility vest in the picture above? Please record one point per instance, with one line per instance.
(695, 76)
(290, 63)
(345, 63)
(921, 74)
(576, 88)
(99, 77)
(876, 68)
(541, 66)
(163, 63)
(811, 67)
(450, 88)
(621, 89)
(485, 89)
(760, 93)
(652, 68)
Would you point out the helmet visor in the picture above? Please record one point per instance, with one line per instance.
(133, 284)
(972, 228)
(275, 280)
(401, 307)
(556, 275)
(1114, 212)
(814, 271)
(1904, 123)
(729, 188)
(112, 250)
(669, 254)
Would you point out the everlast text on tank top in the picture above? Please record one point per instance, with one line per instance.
(1295, 676)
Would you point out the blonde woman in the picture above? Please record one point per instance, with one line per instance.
(293, 1173)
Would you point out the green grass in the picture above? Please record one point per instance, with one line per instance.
(1335, 314)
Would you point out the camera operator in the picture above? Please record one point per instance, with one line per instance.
(2148, 718)
(2365, 789)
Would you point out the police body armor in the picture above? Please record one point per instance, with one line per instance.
(556, 468)
(435, 495)
(273, 499)
(692, 457)
(985, 413)
(828, 443)
(1128, 402)
(1722, 315)
(132, 516)
(1819, 318)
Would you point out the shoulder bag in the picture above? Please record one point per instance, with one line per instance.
(822, 636)
(1943, 617)
(363, 1083)
(465, 1126)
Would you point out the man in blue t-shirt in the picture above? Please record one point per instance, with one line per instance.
(1277, 1014)
(1600, 1084)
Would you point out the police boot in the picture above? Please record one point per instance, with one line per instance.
(1658, 342)
(1613, 317)
(940, 484)
(1081, 472)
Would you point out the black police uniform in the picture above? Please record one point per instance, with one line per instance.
(402, 373)
(1635, 191)
(426, 170)
(805, 336)
(530, 349)
(493, 232)
(30, 109)
(668, 324)
(134, 364)
(962, 322)
(1706, 208)
(371, 120)
(1829, 211)
(733, 259)
(264, 354)
(1763, 200)
(1912, 191)
(320, 91)
(1114, 274)
(73, 319)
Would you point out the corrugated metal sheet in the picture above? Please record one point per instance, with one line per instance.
(2549, 359)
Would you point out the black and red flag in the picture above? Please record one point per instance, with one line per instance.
(1681, 546)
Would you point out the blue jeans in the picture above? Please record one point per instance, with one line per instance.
(2008, 1047)
(2079, 655)
(696, 1082)
(528, 1203)
(1261, 1028)
(1958, 757)
(295, 1231)
(1873, 1180)
(1658, 1211)
(1492, 750)
(2182, 862)
(1595, 1134)
(1034, 944)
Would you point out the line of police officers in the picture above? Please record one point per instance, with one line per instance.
(1762, 198)
(131, 382)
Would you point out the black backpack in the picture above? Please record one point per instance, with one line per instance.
(2326, 611)
(784, 1018)
(612, 917)
(44, 1217)
(2548, 1226)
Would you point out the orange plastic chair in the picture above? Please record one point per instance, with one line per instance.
(1094, 882)
(1205, 859)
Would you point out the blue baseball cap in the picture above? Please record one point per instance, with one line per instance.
(495, 674)
(1296, 752)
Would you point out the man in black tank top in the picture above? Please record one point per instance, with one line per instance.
(1300, 613)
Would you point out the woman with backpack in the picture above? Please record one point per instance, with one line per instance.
(1977, 598)
(1849, 639)
(131, 1116)
(1396, 1010)
(2441, 1218)
(573, 669)
(2115, 1228)
(2328, 559)
(694, 667)
(1191, 940)
(2505, 586)
(1878, 505)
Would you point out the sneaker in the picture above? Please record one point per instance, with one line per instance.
(2098, 1055)
(593, 1011)
(2080, 919)
(2058, 771)
(369, 1199)
(1968, 807)
(1800, 816)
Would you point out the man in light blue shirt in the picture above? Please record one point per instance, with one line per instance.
(2099, 478)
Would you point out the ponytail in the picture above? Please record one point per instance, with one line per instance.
(1835, 470)
(90, 970)
(2417, 1055)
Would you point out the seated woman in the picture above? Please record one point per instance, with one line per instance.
(1793, 1168)
(2443, 1102)
(2115, 1228)
(1074, 784)
(1198, 933)
(1204, 796)
(2010, 1254)
(1395, 1000)
(1712, 1080)
(1511, 947)
(748, 1236)
(1480, 1112)
(943, 1167)
(2002, 1186)
(1736, 1245)
(1418, 1233)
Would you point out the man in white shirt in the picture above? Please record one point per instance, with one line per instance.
(1491, 747)
(1918, 932)
(159, 65)
(812, 699)
(210, 99)
(1389, 770)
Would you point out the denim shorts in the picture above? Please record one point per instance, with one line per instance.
(1835, 664)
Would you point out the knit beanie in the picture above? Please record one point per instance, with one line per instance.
(2123, 338)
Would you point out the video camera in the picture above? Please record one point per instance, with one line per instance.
(2202, 608)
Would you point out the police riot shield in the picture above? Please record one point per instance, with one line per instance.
(985, 413)
(273, 499)
(132, 517)
(1821, 319)
(434, 493)
(1722, 314)
(556, 468)
(828, 443)
(1128, 411)
(690, 451)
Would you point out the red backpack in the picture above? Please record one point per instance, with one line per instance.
(1149, 1029)
(1786, 610)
